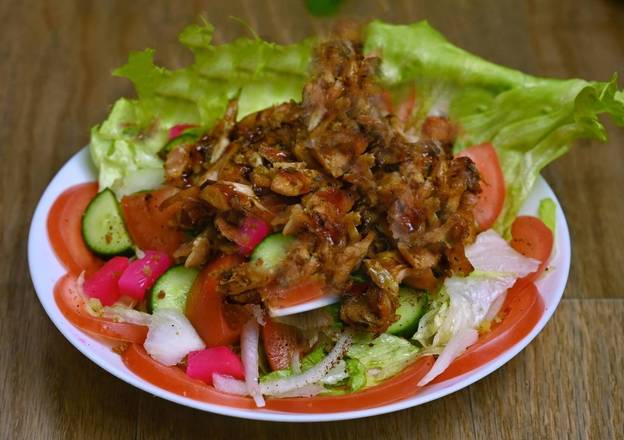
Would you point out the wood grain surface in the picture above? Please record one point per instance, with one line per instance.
(55, 83)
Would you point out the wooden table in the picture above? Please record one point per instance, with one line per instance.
(55, 83)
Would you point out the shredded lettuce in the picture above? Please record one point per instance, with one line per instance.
(530, 121)
(310, 360)
(547, 212)
(464, 302)
(383, 357)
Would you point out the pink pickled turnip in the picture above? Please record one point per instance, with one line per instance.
(221, 360)
(253, 230)
(177, 130)
(141, 274)
(103, 284)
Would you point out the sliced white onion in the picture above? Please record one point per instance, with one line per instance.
(171, 337)
(307, 391)
(314, 374)
(229, 385)
(491, 253)
(249, 355)
(125, 314)
(496, 306)
(336, 374)
(463, 339)
(219, 149)
(310, 320)
(295, 362)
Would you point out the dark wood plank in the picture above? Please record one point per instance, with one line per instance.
(446, 418)
(581, 40)
(55, 83)
(566, 384)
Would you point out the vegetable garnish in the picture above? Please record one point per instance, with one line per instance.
(381, 167)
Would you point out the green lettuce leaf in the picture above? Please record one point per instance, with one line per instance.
(310, 360)
(530, 121)
(383, 357)
(260, 73)
(547, 212)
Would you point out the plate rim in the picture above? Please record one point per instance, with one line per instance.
(43, 286)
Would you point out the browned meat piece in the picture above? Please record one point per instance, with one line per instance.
(372, 310)
(340, 174)
(300, 263)
(349, 259)
(439, 128)
(292, 182)
(178, 163)
(243, 278)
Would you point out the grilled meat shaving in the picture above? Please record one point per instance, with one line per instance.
(337, 172)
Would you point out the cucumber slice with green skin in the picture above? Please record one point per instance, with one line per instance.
(188, 137)
(410, 310)
(272, 250)
(103, 227)
(172, 288)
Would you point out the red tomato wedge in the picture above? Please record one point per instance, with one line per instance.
(280, 342)
(72, 305)
(532, 238)
(303, 292)
(173, 379)
(215, 322)
(521, 311)
(492, 196)
(65, 229)
(149, 226)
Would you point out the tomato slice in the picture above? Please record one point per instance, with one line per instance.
(521, 311)
(72, 306)
(149, 226)
(532, 238)
(65, 229)
(302, 292)
(280, 343)
(492, 196)
(217, 323)
(175, 380)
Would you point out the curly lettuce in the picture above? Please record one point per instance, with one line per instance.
(258, 72)
(531, 121)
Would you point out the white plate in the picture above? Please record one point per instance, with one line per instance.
(45, 270)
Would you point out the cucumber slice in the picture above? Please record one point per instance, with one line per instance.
(272, 250)
(410, 310)
(172, 288)
(188, 137)
(103, 227)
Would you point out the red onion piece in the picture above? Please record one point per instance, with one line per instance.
(203, 364)
(103, 284)
(141, 274)
(177, 130)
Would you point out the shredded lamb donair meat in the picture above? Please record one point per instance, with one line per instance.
(337, 172)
